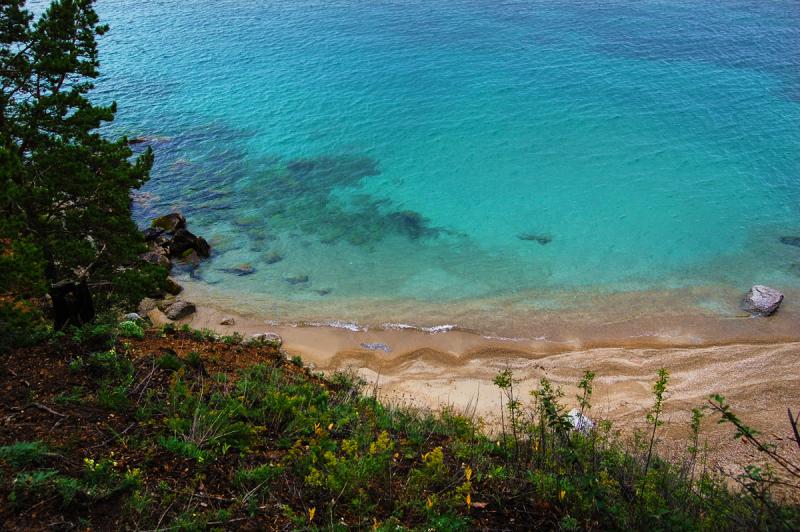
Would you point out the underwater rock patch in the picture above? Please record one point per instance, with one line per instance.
(240, 270)
(296, 279)
(272, 257)
(410, 223)
(791, 240)
(333, 170)
(535, 237)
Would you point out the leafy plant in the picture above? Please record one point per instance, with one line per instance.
(25, 453)
(130, 329)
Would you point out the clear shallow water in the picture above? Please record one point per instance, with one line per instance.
(468, 155)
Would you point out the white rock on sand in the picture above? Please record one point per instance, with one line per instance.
(762, 300)
(579, 421)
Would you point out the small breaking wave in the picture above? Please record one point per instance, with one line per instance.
(432, 330)
(338, 324)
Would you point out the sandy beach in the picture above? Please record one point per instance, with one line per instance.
(455, 369)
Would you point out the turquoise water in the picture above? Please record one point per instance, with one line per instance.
(448, 153)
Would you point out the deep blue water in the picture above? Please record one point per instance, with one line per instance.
(456, 152)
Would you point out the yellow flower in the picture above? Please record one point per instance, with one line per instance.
(561, 495)
(311, 512)
(429, 503)
(330, 426)
(469, 500)
(468, 472)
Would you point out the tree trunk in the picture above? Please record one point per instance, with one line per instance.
(72, 303)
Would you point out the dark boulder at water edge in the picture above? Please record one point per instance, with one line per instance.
(183, 241)
(169, 222)
(168, 237)
(762, 300)
(179, 309)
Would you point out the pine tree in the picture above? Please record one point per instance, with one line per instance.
(65, 207)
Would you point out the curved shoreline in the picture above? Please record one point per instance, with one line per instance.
(663, 318)
(455, 369)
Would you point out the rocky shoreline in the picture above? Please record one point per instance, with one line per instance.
(170, 245)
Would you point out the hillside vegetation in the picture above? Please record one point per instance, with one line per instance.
(127, 428)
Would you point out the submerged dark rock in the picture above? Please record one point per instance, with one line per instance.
(410, 223)
(535, 237)
(791, 240)
(762, 300)
(241, 270)
(296, 279)
(273, 257)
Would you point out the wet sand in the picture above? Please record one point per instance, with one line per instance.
(456, 368)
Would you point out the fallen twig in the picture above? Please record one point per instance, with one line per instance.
(46, 408)
(114, 437)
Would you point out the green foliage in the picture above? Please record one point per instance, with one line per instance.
(65, 209)
(93, 336)
(233, 339)
(130, 329)
(203, 425)
(133, 284)
(21, 324)
(169, 361)
(258, 476)
(194, 360)
(65, 186)
(98, 480)
(271, 441)
(24, 453)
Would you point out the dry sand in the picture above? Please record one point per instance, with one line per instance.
(456, 369)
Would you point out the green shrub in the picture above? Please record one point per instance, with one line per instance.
(194, 360)
(24, 453)
(130, 329)
(169, 361)
(21, 325)
(132, 285)
(94, 336)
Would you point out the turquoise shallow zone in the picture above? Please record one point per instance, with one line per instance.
(445, 152)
